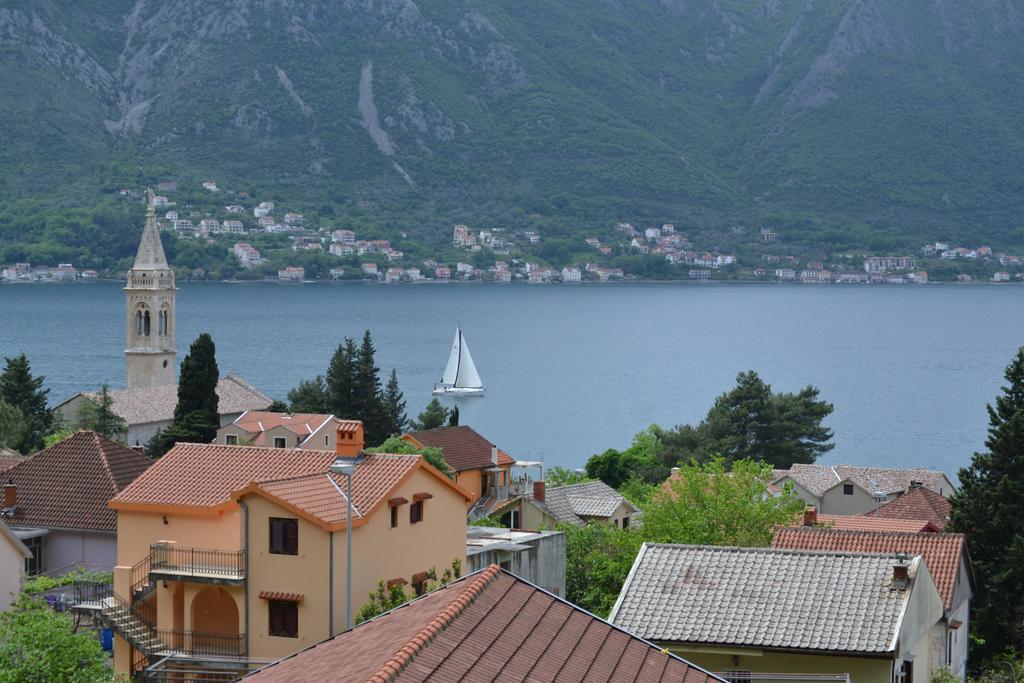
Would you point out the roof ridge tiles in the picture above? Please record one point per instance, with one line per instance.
(404, 656)
(781, 551)
(104, 458)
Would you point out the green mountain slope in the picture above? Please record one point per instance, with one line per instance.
(893, 120)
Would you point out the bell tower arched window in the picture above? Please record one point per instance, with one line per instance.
(145, 324)
(138, 323)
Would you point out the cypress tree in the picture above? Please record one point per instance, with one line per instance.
(394, 406)
(366, 393)
(25, 393)
(341, 380)
(453, 417)
(197, 413)
(989, 508)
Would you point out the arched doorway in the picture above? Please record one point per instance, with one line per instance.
(214, 613)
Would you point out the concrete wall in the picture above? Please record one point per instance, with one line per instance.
(542, 565)
(12, 571)
(835, 502)
(957, 638)
(64, 549)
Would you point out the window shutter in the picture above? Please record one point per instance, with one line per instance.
(291, 537)
(276, 618)
(291, 618)
(276, 536)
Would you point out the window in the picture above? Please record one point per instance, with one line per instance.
(138, 323)
(625, 522)
(416, 512)
(847, 489)
(327, 439)
(231, 439)
(394, 516)
(284, 536)
(35, 563)
(284, 618)
(145, 323)
(280, 442)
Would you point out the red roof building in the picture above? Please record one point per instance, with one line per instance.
(488, 626)
(917, 503)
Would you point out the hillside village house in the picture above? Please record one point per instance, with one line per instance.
(947, 560)
(299, 430)
(487, 626)
(536, 556)
(240, 550)
(918, 503)
(578, 504)
(13, 555)
(812, 519)
(148, 410)
(480, 467)
(56, 502)
(847, 490)
(871, 617)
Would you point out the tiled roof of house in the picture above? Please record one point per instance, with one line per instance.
(818, 479)
(204, 475)
(462, 447)
(142, 405)
(942, 552)
(256, 422)
(862, 523)
(917, 503)
(488, 626)
(211, 475)
(68, 485)
(763, 597)
(9, 459)
(572, 503)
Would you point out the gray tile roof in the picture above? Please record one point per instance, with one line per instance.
(156, 404)
(818, 479)
(763, 597)
(571, 503)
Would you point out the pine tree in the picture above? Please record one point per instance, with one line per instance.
(23, 391)
(12, 425)
(453, 417)
(394, 406)
(432, 417)
(988, 508)
(341, 379)
(106, 421)
(197, 413)
(309, 397)
(366, 394)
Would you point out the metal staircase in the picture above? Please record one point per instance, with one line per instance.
(126, 622)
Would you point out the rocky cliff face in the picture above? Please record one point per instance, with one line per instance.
(865, 107)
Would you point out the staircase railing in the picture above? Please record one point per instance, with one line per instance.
(141, 583)
(131, 625)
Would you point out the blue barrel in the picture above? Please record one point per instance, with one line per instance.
(107, 639)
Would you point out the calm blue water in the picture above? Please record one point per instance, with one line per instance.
(572, 370)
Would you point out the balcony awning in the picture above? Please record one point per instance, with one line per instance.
(279, 595)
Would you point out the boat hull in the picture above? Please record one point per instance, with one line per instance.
(458, 391)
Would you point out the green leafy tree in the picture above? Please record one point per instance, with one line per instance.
(598, 559)
(560, 476)
(382, 600)
(398, 445)
(39, 644)
(393, 401)
(196, 415)
(433, 416)
(19, 388)
(310, 396)
(99, 416)
(641, 459)
(12, 425)
(277, 406)
(709, 504)
(988, 508)
(341, 381)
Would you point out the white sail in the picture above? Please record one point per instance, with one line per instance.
(451, 370)
(467, 376)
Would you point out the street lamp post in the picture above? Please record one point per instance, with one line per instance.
(348, 470)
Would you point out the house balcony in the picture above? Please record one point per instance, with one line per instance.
(199, 565)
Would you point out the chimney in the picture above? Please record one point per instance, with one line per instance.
(350, 439)
(810, 515)
(538, 491)
(10, 495)
(900, 575)
(494, 456)
(914, 484)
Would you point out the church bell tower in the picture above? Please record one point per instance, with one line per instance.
(149, 312)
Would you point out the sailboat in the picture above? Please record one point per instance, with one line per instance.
(460, 376)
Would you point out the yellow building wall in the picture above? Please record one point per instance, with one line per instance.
(860, 669)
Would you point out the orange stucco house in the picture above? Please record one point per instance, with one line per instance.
(238, 553)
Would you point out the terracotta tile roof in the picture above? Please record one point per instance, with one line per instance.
(349, 425)
(485, 627)
(303, 425)
(942, 552)
(918, 503)
(862, 523)
(69, 484)
(204, 475)
(143, 405)
(763, 597)
(279, 595)
(9, 459)
(462, 447)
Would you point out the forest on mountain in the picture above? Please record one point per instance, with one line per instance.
(848, 124)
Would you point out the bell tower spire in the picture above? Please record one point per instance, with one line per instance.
(149, 311)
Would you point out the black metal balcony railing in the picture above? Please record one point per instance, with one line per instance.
(228, 564)
(91, 593)
(197, 643)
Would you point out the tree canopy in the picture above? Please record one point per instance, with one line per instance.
(197, 413)
(12, 425)
(989, 508)
(99, 416)
(20, 389)
(433, 416)
(396, 444)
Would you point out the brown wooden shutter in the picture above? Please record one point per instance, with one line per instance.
(276, 618)
(291, 618)
(276, 536)
(291, 537)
